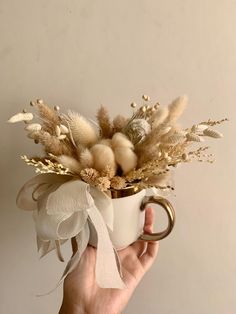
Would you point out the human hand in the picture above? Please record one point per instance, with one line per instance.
(83, 295)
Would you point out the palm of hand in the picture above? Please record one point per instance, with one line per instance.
(81, 290)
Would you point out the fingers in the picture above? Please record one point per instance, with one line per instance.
(149, 220)
(150, 254)
(141, 246)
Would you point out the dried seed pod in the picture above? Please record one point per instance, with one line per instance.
(199, 128)
(64, 129)
(185, 157)
(27, 116)
(62, 137)
(133, 105)
(33, 127)
(58, 131)
(174, 138)
(146, 97)
(40, 101)
(192, 137)
(212, 133)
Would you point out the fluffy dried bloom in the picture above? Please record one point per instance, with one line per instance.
(103, 183)
(89, 175)
(104, 122)
(103, 156)
(106, 141)
(124, 154)
(108, 171)
(69, 162)
(118, 183)
(121, 140)
(86, 158)
(126, 158)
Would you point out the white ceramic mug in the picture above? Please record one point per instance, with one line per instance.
(129, 215)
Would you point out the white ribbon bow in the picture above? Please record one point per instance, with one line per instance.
(64, 208)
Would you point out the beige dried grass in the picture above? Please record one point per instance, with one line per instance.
(104, 122)
(49, 117)
(119, 123)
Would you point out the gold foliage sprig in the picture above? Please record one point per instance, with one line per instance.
(46, 166)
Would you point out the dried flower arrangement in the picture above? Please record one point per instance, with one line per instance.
(137, 151)
(85, 160)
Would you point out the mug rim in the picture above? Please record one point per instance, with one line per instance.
(125, 192)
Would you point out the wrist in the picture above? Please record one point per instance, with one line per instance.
(67, 308)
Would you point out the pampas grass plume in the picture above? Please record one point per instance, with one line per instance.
(119, 123)
(159, 116)
(176, 108)
(104, 122)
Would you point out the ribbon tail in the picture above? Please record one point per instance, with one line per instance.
(118, 262)
(82, 241)
(107, 273)
(58, 250)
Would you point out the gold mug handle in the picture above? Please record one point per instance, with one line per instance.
(170, 214)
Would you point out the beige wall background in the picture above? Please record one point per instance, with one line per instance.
(78, 54)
